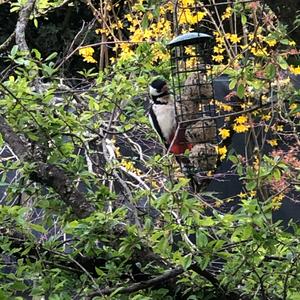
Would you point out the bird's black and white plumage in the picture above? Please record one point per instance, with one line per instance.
(162, 113)
(163, 117)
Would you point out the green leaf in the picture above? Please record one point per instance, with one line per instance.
(241, 91)
(203, 261)
(251, 185)
(282, 63)
(100, 272)
(277, 174)
(36, 23)
(51, 56)
(284, 41)
(232, 84)
(32, 136)
(19, 286)
(37, 53)
(270, 71)
(38, 228)
(187, 261)
(294, 296)
(201, 239)
(14, 51)
(244, 20)
(233, 159)
(206, 221)
(182, 182)
(4, 296)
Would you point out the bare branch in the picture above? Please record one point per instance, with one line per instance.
(7, 42)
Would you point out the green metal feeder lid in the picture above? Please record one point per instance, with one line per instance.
(189, 38)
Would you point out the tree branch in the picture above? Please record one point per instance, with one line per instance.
(140, 285)
(48, 174)
(7, 42)
(22, 23)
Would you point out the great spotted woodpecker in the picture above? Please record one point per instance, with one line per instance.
(163, 119)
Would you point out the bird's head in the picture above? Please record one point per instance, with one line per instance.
(158, 87)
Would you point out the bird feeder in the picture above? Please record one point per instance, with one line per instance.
(195, 107)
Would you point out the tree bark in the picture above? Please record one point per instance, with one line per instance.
(22, 23)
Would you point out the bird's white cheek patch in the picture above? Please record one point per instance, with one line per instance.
(153, 91)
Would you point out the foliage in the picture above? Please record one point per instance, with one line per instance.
(146, 220)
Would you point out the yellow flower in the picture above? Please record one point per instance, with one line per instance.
(251, 36)
(271, 42)
(88, 51)
(218, 50)
(239, 128)
(272, 142)
(218, 58)
(227, 14)
(220, 41)
(187, 2)
(223, 106)
(241, 119)
(234, 38)
(90, 59)
(266, 117)
(277, 201)
(190, 50)
(295, 70)
(209, 173)
(120, 24)
(126, 52)
(129, 17)
(102, 30)
(187, 17)
(154, 184)
(252, 193)
(259, 51)
(224, 133)
(242, 195)
(117, 152)
(87, 54)
(279, 128)
(292, 43)
(222, 152)
(293, 106)
(200, 15)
